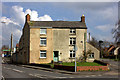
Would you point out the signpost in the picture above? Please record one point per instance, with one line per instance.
(75, 49)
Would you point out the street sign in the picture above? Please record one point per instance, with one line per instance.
(75, 48)
(5, 50)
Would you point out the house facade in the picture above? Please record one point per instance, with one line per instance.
(47, 41)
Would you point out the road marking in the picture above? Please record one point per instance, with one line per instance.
(93, 75)
(31, 74)
(71, 77)
(36, 75)
(17, 70)
(60, 77)
(99, 75)
(87, 76)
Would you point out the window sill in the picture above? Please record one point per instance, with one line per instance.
(72, 34)
(71, 45)
(42, 58)
(42, 45)
(42, 34)
(71, 57)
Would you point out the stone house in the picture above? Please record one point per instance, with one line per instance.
(47, 41)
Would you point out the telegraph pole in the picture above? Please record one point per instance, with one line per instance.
(11, 43)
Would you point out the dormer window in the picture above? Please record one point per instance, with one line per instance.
(72, 31)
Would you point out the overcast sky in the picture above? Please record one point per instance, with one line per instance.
(100, 17)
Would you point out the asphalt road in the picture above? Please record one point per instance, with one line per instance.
(13, 71)
(114, 65)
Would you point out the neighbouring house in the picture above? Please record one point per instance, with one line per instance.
(5, 52)
(15, 54)
(111, 51)
(48, 41)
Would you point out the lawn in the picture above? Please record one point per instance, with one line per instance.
(78, 64)
(82, 64)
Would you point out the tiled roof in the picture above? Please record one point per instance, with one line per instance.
(57, 24)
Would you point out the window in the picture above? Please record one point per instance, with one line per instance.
(43, 41)
(72, 54)
(72, 41)
(43, 54)
(72, 31)
(91, 55)
(43, 31)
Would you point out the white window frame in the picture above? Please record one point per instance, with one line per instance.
(43, 31)
(72, 31)
(43, 52)
(73, 53)
(72, 39)
(41, 39)
(91, 55)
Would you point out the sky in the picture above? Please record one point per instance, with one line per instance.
(100, 17)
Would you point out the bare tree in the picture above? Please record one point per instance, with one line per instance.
(116, 31)
(94, 42)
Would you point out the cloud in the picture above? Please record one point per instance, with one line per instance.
(16, 21)
(7, 21)
(104, 37)
(34, 16)
(105, 27)
(19, 15)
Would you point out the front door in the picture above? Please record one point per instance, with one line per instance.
(55, 56)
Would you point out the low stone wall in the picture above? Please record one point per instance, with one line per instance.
(67, 68)
(92, 68)
(82, 68)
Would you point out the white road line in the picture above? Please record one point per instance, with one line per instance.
(31, 74)
(17, 70)
(99, 75)
(61, 77)
(87, 76)
(35, 75)
(93, 75)
(71, 77)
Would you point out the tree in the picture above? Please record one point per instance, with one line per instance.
(94, 42)
(116, 31)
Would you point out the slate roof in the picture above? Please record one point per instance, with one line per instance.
(57, 24)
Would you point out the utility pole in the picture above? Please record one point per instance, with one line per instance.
(100, 42)
(85, 45)
(11, 43)
(89, 37)
(75, 49)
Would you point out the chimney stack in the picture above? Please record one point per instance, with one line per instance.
(27, 17)
(83, 18)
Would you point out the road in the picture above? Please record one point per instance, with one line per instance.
(114, 65)
(14, 71)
